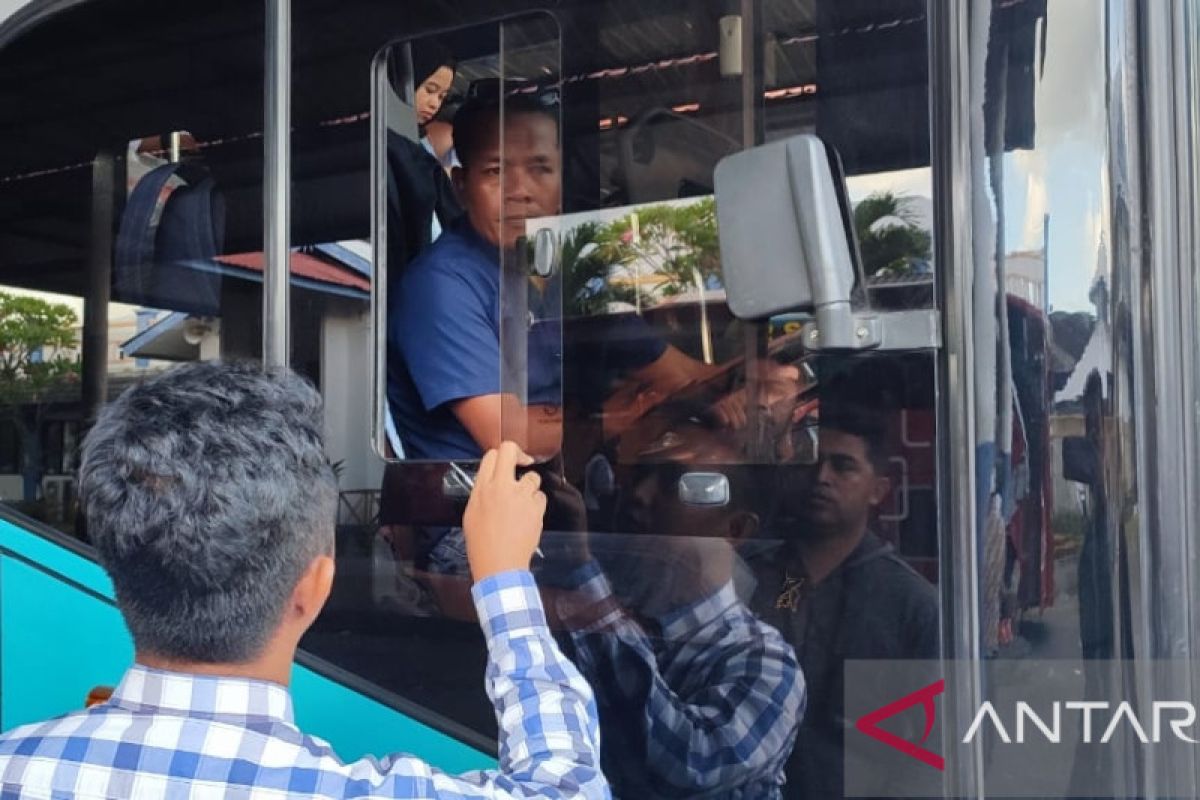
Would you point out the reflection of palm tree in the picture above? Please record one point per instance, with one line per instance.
(668, 241)
(587, 289)
(888, 236)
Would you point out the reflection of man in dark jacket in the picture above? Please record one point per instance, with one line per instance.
(837, 591)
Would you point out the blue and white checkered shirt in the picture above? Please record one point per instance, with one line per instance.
(709, 707)
(175, 735)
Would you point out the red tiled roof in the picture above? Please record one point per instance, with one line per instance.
(304, 266)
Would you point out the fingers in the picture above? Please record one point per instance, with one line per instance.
(731, 412)
(487, 467)
(530, 482)
(508, 457)
(739, 414)
(506, 460)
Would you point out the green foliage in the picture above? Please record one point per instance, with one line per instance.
(673, 242)
(892, 247)
(37, 349)
(38, 355)
(587, 291)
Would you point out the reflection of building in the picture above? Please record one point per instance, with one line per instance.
(1025, 276)
(331, 285)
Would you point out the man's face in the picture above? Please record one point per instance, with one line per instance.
(843, 487)
(531, 182)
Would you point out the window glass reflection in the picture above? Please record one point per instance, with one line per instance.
(130, 224)
(683, 442)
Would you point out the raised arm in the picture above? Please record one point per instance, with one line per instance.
(549, 732)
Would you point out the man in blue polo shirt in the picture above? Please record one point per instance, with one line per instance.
(444, 359)
(444, 386)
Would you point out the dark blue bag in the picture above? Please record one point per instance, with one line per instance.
(168, 242)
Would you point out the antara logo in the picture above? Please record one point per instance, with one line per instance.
(869, 724)
(1122, 716)
(1107, 718)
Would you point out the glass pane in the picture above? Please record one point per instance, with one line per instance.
(402, 585)
(1057, 517)
(528, 125)
(734, 509)
(130, 221)
(686, 446)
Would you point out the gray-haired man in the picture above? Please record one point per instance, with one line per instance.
(211, 502)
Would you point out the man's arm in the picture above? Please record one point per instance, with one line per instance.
(549, 733)
(714, 705)
(491, 418)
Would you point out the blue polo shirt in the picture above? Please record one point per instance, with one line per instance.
(444, 344)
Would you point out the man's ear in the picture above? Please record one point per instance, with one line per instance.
(742, 526)
(313, 589)
(458, 178)
(880, 490)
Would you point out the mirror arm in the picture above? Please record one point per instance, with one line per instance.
(915, 329)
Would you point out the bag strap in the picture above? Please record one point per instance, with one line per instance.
(136, 235)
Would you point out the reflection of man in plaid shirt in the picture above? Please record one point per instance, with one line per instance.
(697, 696)
(212, 506)
(706, 706)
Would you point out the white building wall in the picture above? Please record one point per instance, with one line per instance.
(346, 387)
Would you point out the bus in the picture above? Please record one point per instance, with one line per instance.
(847, 221)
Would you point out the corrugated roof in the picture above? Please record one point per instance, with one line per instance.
(304, 265)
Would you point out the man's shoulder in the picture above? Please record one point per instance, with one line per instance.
(29, 738)
(899, 573)
(99, 736)
(451, 252)
(896, 583)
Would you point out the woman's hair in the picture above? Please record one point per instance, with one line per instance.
(428, 56)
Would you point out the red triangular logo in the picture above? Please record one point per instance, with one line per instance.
(869, 724)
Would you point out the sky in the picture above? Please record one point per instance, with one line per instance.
(1064, 174)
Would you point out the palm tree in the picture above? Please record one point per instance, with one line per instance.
(675, 243)
(888, 236)
(587, 290)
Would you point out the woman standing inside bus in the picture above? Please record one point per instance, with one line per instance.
(421, 200)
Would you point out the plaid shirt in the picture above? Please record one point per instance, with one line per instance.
(709, 708)
(175, 735)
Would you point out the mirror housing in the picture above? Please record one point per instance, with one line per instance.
(787, 244)
(707, 489)
(545, 253)
(783, 238)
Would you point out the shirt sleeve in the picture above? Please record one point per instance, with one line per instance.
(447, 335)
(718, 699)
(629, 343)
(549, 733)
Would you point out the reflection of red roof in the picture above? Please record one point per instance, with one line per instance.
(305, 266)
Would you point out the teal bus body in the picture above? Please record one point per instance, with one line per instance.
(54, 649)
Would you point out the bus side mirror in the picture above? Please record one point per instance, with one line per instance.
(787, 244)
(782, 226)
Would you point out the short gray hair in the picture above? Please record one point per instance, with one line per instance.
(207, 492)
